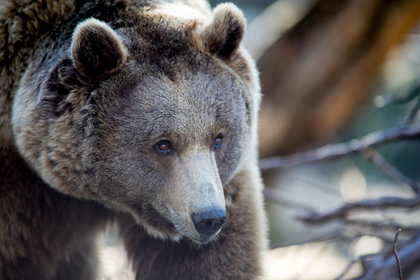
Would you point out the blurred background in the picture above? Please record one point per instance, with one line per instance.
(327, 69)
(332, 71)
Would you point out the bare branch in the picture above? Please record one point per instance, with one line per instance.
(396, 255)
(389, 170)
(338, 150)
(343, 211)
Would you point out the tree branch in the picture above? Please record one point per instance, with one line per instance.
(338, 150)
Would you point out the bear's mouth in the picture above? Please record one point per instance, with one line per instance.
(200, 227)
(155, 224)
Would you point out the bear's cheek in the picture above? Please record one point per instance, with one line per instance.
(231, 157)
(139, 182)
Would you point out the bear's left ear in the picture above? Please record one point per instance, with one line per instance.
(96, 49)
(224, 34)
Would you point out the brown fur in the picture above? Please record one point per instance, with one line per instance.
(87, 90)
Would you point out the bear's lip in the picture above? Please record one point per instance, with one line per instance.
(195, 236)
(206, 239)
(181, 228)
(201, 239)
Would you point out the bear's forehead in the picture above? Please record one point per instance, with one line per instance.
(192, 102)
(157, 42)
(189, 103)
(187, 83)
(169, 70)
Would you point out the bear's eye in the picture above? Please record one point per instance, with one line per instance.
(163, 146)
(217, 141)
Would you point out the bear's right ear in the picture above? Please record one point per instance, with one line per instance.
(224, 34)
(96, 49)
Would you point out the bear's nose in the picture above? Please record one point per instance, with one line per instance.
(209, 221)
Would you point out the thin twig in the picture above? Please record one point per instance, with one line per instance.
(329, 236)
(275, 196)
(412, 114)
(338, 150)
(381, 225)
(381, 266)
(387, 100)
(396, 255)
(389, 170)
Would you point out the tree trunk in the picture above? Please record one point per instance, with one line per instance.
(318, 73)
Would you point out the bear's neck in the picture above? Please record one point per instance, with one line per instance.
(6, 135)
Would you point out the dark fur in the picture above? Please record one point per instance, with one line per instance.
(78, 148)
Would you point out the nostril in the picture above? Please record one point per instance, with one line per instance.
(209, 222)
(213, 223)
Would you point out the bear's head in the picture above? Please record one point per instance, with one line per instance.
(153, 119)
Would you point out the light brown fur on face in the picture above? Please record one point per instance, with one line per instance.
(89, 103)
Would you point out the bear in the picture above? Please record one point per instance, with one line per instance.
(141, 114)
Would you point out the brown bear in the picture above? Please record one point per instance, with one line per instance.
(141, 113)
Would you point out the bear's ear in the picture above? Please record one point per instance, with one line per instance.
(224, 34)
(96, 49)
